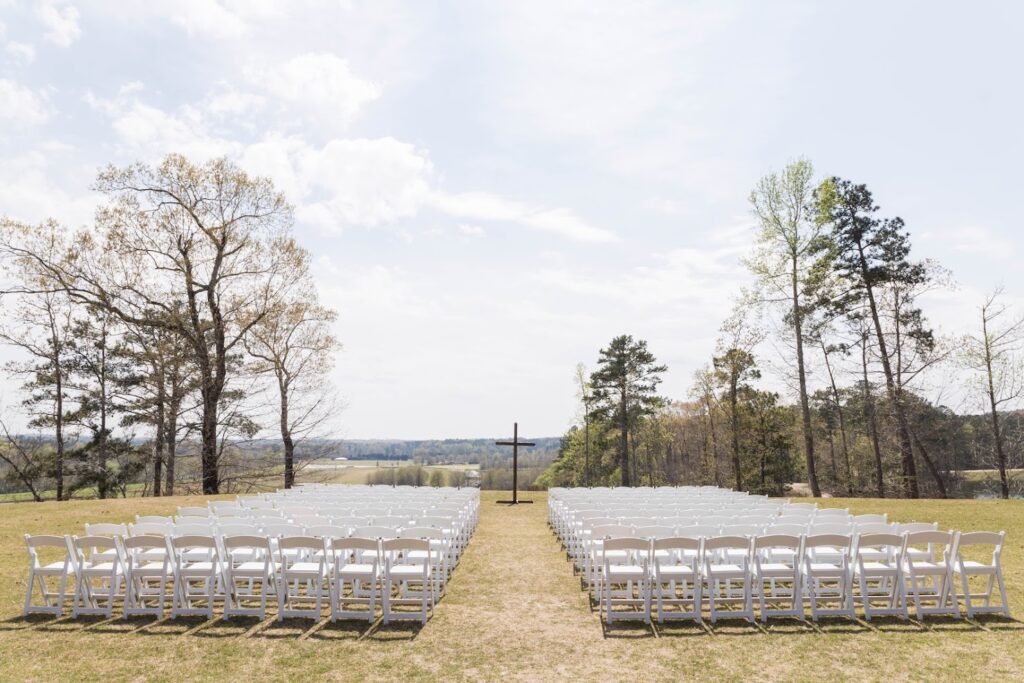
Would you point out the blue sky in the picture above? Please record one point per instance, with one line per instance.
(492, 190)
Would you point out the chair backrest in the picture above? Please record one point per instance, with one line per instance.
(841, 541)
(610, 531)
(375, 532)
(247, 541)
(327, 531)
(676, 543)
(652, 532)
(188, 542)
(933, 539)
(820, 529)
(193, 512)
(627, 543)
(87, 548)
(786, 530)
(45, 544)
(776, 540)
(422, 532)
(726, 542)
(870, 519)
(875, 528)
(187, 529)
(150, 529)
(698, 531)
(237, 529)
(982, 538)
(910, 527)
(106, 529)
(143, 543)
(832, 512)
(282, 529)
(397, 545)
(153, 519)
(353, 543)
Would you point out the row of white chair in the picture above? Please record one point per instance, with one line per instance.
(829, 574)
(300, 574)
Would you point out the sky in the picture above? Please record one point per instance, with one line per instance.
(493, 190)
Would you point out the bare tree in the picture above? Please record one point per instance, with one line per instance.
(206, 235)
(40, 324)
(996, 353)
(294, 345)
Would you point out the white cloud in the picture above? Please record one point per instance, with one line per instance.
(492, 207)
(206, 17)
(21, 53)
(978, 239)
(472, 230)
(61, 23)
(321, 84)
(21, 106)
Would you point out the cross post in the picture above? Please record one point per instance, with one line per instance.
(515, 443)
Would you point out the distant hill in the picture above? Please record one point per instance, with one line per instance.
(432, 451)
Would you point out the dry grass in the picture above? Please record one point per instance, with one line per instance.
(514, 611)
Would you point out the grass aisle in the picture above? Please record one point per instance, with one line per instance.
(514, 611)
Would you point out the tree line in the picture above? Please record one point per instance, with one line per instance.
(838, 292)
(185, 314)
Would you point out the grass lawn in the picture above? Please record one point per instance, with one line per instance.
(514, 611)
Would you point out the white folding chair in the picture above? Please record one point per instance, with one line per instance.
(194, 511)
(49, 557)
(826, 575)
(147, 575)
(100, 572)
(777, 576)
(250, 575)
(196, 565)
(355, 561)
(676, 578)
(878, 573)
(991, 572)
(407, 580)
(728, 575)
(930, 579)
(626, 580)
(303, 577)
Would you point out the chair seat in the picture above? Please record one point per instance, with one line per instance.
(249, 568)
(726, 571)
(929, 568)
(826, 569)
(357, 570)
(305, 568)
(878, 569)
(978, 567)
(403, 571)
(101, 568)
(776, 569)
(53, 568)
(671, 570)
(626, 571)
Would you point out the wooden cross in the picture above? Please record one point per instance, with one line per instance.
(515, 443)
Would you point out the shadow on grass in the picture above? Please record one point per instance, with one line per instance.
(628, 630)
(395, 631)
(345, 630)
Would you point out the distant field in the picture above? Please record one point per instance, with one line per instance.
(360, 471)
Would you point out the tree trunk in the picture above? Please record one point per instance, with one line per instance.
(286, 439)
(842, 423)
(869, 414)
(208, 455)
(805, 406)
(59, 428)
(624, 441)
(997, 435)
(931, 466)
(735, 427)
(172, 445)
(895, 395)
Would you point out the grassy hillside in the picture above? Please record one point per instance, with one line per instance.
(515, 611)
